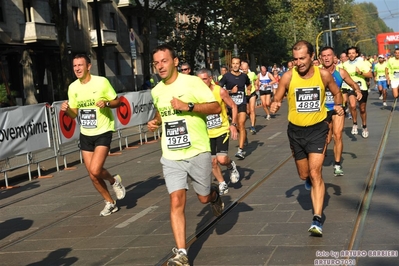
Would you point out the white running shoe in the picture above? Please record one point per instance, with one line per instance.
(268, 117)
(365, 133)
(109, 208)
(223, 188)
(380, 98)
(119, 189)
(234, 174)
(354, 130)
(384, 104)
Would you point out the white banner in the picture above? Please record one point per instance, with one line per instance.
(68, 128)
(136, 108)
(23, 129)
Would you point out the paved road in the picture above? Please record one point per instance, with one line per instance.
(55, 221)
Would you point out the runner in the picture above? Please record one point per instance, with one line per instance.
(307, 130)
(337, 124)
(251, 96)
(345, 87)
(182, 102)
(235, 83)
(392, 73)
(380, 78)
(219, 130)
(359, 70)
(92, 97)
(265, 81)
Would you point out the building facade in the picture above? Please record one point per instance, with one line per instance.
(30, 50)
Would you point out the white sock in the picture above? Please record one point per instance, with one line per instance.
(183, 250)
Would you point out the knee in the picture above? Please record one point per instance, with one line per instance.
(176, 203)
(223, 160)
(205, 199)
(95, 173)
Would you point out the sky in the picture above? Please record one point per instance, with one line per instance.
(388, 11)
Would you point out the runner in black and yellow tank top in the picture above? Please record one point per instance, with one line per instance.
(307, 130)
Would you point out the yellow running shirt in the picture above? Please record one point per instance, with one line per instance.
(363, 66)
(306, 99)
(218, 124)
(184, 134)
(93, 120)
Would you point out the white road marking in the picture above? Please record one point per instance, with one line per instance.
(275, 135)
(137, 216)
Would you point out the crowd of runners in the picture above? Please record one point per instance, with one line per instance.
(198, 116)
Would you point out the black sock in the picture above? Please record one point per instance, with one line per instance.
(355, 123)
(317, 218)
(337, 163)
(364, 126)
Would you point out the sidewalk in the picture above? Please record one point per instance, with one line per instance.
(56, 221)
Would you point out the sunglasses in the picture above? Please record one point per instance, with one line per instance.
(184, 69)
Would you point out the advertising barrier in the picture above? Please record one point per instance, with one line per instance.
(23, 129)
(26, 130)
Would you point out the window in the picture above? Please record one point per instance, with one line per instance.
(117, 64)
(27, 11)
(76, 18)
(1, 13)
(112, 21)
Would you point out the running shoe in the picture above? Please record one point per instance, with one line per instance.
(381, 97)
(252, 130)
(316, 228)
(268, 117)
(119, 189)
(180, 259)
(223, 188)
(308, 183)
(349, 116)
(240, 154)
(218, 205)
(365, 133)
(354, 130)
(384, 104)
(109, 208)
(234, 174)
(338, 170)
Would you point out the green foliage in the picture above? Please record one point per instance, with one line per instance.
(264, 29)
(4, 98)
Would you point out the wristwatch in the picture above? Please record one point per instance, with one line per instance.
(233, 124)
(190, 107)
(108, 104)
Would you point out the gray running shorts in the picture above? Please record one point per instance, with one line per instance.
(198, 168)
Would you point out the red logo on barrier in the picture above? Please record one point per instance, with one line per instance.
(67, 125)
(124, 112)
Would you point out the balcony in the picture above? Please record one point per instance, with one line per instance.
(38, 32)
(108, 37)
(126, 3)
(100, 1)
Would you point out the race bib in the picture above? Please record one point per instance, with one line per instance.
(382, 77)
(177, 136)
(88, 118)
(360, 84)
(238, 98)
(329, 97)
(396, 74)
(307, 99)
(213, 121)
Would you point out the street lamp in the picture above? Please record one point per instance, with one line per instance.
(335, 29)
(364, 40)
(331, 19)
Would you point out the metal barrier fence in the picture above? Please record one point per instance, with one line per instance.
(60, 147)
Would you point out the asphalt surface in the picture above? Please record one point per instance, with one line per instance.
(55, 221)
